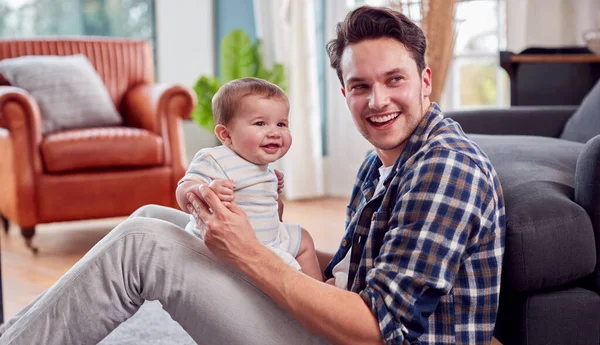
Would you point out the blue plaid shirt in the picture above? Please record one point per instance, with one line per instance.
(427, 250)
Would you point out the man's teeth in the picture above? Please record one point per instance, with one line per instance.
(385, 118)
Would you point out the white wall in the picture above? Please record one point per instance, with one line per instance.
(185, 51)
(549, 23)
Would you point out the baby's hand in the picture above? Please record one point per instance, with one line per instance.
(223, 189)
(279, 175)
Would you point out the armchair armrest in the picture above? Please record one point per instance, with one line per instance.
(159, 108)
(547, 121)
(145, 105)
(20, 114)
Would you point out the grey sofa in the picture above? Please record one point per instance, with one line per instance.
(550, 279)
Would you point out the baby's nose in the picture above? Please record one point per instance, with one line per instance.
(274, 133)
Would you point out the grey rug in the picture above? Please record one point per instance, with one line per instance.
(150, 325)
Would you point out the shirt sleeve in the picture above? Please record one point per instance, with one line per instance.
(203, 168)
(435, 221)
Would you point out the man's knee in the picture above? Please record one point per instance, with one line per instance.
(136, 223)
(146, 211)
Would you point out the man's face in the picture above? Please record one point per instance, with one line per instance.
(385, 93)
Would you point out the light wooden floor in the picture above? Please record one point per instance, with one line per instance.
(61, 244)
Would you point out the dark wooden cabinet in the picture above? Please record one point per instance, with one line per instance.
(550, 76)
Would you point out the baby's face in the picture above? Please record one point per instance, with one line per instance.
(259, 130)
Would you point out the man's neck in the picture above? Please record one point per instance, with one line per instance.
(389, 157)
(425, 105)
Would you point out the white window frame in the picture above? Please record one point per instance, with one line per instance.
(451, 95)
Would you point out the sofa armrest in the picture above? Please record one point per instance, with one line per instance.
(547, 121)
(587, 194)
(20, 114)
(159, 108)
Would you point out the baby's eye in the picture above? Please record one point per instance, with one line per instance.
(281, 124)
(260, 123)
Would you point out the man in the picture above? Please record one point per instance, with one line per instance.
(420, 259)
(424, 244)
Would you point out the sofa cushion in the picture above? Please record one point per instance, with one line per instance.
(551, 317)
(68, 90)
(101, 148)
(549, 237)
(585, 123)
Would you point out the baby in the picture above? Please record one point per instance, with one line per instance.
(251, 117)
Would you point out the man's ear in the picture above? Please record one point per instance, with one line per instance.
(223, 134)
(343, 92)
(426, 77)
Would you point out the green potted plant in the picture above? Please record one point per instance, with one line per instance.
(239, 58)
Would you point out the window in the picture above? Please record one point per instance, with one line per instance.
(118, 18)
(475, 78)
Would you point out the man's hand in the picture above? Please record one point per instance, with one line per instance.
(280, 181)
(229, 234)
(280, 186)
(223, 189)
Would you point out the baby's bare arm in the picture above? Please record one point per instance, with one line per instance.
(183, 189)
(223, 189)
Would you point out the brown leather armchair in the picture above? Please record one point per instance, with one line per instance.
(93, 172)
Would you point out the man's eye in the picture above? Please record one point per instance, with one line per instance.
(281, 124)
(260, 123)
(358, 87)
(396, 79)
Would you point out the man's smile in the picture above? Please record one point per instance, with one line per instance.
(384, 119)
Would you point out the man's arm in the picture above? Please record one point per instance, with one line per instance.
(339, 316)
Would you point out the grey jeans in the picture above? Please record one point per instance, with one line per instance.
(150, 257)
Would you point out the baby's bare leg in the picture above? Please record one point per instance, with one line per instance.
(307, 257)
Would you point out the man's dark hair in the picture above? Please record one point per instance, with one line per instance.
(368, 22)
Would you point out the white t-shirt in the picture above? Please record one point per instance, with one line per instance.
(341, 270)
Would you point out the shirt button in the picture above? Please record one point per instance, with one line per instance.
(344, 243)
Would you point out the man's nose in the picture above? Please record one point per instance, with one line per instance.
(379, 98)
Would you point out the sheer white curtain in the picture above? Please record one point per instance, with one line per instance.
(287, 30)
(549, 23)
(346, 147)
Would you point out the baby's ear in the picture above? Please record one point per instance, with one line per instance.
(223, 134)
